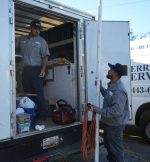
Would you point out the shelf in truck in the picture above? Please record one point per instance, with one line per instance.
(25, 94)
(17, 55)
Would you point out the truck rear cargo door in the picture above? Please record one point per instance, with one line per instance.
(115, 49)
(6, 21)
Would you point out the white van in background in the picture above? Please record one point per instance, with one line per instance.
(140, 82)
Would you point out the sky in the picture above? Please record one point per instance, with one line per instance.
(137, 12)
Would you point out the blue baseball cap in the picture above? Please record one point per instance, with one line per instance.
(117, 68)
(36, 23)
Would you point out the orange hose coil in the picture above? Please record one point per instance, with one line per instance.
(88, 137)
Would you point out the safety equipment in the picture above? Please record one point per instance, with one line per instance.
(63, 113)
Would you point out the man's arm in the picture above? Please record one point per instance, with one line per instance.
(102, 90)
(44, 63)
(45, 54)
(116, 110)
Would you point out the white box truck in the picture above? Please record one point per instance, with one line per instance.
(69, 33)
(140, 82)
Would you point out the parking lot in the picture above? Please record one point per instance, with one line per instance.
(136, 149)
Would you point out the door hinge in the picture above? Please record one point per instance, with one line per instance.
(12, 124)
(11, 12)
(81, 71)
(12, 121)
(10, 19)
(81, 31)
(11, 68)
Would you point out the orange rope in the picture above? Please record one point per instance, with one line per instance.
(88, 137)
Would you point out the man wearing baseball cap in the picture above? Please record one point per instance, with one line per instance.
(114, 114)
(36, 24)
(35, 52)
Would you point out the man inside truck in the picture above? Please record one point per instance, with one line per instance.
(35, 52)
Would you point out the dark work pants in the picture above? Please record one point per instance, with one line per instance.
(33, 84)
(113, 142)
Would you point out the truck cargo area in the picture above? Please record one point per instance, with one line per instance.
(61, 73)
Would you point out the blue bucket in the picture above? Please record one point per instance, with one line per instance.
(32, 112)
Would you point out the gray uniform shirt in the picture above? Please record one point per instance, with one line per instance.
(32, 49)
(115, 109)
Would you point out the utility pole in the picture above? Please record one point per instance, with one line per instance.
(98, 77)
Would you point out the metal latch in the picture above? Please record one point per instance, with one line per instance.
(81, 71)
(11, 68)
(41, 1)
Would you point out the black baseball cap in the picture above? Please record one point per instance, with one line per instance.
(36, 23)
(117, 68)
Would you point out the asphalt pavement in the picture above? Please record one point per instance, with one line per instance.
(135, 148)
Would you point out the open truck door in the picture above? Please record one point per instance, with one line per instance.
(115, 49)
(6, 72)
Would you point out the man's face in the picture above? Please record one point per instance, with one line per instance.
(110, 74)
(34, 31)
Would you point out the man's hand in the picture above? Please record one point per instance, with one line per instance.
(91, 107)
(100, 82)
(44, 62)
(42, 73)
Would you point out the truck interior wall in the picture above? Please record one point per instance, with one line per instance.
(54, 88)
(59, 34)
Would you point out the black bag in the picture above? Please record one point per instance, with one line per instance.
(63, 113)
